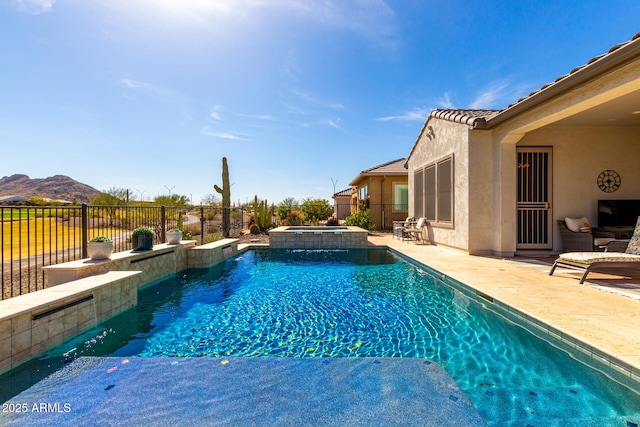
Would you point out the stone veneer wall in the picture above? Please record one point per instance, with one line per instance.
(155, 264)
(212, 253)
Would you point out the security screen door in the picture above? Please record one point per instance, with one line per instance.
(534, 198)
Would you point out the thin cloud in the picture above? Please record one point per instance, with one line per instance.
(136, 85)
(257, 116)
(310, 99)
(373, 19)
(294, 110)
(498, 94)
(215, 114)
(207, 131)
(35, 7)
(418, 114)
(445, 102)
(334, 123)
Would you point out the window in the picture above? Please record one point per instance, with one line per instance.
(363, 192)
(400, 197)
(434, 192)
(418, 195)
(444, 201)
(430, 193)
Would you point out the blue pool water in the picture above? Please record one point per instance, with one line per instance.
(361, 303)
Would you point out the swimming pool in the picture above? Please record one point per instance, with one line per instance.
(357, 303)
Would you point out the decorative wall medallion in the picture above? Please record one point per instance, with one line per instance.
(609, 181)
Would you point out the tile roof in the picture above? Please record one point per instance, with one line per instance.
(467, 117)
(392, 167)
(346, 192)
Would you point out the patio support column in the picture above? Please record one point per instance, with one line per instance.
(504, 183)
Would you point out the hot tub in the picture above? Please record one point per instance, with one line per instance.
(332, 237)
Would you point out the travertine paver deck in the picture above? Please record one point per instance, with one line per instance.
(606, 321)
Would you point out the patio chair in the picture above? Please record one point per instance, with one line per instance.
(399, 228)
(416, 232)
(590, 261)
(581, 241)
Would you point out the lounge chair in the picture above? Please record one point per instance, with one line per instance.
(416, 231)
(590, 261)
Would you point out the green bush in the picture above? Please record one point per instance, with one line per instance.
(360, 219)
(100, 239)
(142, 230)
(314, 210)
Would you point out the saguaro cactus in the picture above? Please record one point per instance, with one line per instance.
(226, 198)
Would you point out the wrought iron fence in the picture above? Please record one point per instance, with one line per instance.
(383, 215)
(34, 237)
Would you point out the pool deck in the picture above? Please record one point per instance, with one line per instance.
(603, 313)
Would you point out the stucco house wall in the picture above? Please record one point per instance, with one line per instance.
(381, 195)
(448, 138)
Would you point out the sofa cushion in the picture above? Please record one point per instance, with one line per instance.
(575, 224)
(591, 257)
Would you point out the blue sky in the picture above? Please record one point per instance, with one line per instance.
(150, 94)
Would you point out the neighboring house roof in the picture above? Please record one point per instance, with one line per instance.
(344, 193)
(394, 167)
(486, 119)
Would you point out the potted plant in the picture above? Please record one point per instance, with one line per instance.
(100, 247)
(174, 236)
(142, 239)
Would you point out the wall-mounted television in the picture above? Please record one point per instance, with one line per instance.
(618, 213)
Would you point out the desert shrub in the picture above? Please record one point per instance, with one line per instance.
(262, 214)
(213, 237)
(360, 219)
(254, 229)
(293, 218)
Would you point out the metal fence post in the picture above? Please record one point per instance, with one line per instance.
(201, 225)
(85, 230)
(163, 224)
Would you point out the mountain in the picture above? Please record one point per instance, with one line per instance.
(59, 187)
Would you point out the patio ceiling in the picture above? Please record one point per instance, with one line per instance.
(620, 112)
